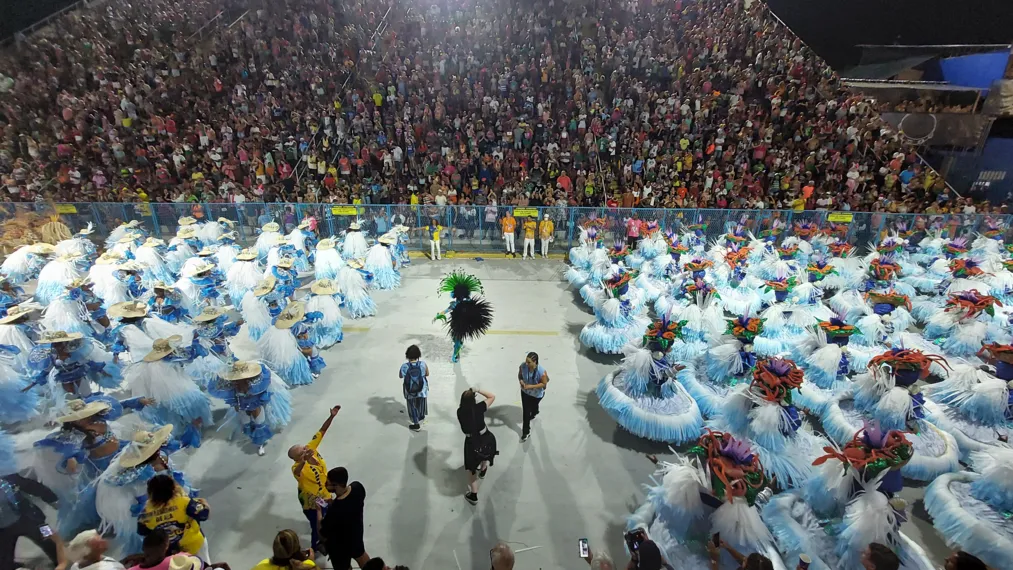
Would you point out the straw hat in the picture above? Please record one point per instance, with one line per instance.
(187, 221)
(87, 230)
(128, 310)
(186, 232)
(229, 235)
(227, 222)
(161, 286)
(401, 228)
(354, 226)
(270, 227)
(79, 282)
(131, 237)
(41, 248)
(387, 239)
(286, 262)
(354, 264)
(280, 240)
(109, 258)
(292, 314)
(15, 312)
(305, 224)
(54, 337)
(130, 224)
(185, 562)
(265, 286)
(130, 265)
(197, 269)
(71, 257)
(326, 243)
(324, 287)
(144, 445)
(241, 370)
(78, 410)
(206, 252)
(163, 347)
(246, 255)
(152, 242)
(208, 314)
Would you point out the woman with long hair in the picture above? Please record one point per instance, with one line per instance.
(170, 508)
(287, 554)
(479, 443)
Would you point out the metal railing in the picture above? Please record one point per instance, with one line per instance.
(477, 228)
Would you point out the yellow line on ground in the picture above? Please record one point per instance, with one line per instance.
(355, 329)
(526, 333)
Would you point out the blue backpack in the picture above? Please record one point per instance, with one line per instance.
(414, 378)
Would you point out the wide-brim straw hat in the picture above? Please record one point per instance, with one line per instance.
(78, 410)
(355, 264)
(87, 230)
(326, 243)
(241, 370)
(293, 313)
(55, 337)
(246, 255)
(186, 232)
(387, 239)
(153, 242)
(270, 227)
(280, 240)
(131, 237)
(206, 252)
(227, 222)
(187, 221)
(163, 347)
(401, 228)
(265, 286)
(304, 225)
(128, 310)
(185, 561)
(208, 314)
(286, 262)
(80, 282)
(41, 248)
(143, 445)
(229, 235)
(109, 258)
(197, 269)
(16, 312)
(324, 287)
(161, 285)
(131, 224)
(131, 266)
(354, 226)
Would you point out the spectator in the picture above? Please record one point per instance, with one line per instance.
(600, 561)
(649, 557)
(154, 552)
(879, 557)
(87, 552)
(755, 561)
(287, 554)
(961, 560)
(169, 508)
(310, 472)
(342, 528)
(502, 557)
(20, 517)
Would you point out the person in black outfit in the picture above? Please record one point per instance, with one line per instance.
(19, 517)
(479, 442)
(342, 527)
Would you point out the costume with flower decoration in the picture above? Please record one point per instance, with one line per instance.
(644, 396)
(962, 326)
(619, 316)
(467, 317)
(728, 362)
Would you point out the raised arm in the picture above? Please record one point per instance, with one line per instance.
(489, 397)
(327, 423)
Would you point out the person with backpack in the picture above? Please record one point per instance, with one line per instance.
(479, 442)
(415, 374)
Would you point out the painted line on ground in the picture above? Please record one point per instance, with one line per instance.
(356, 329)
(525, 333)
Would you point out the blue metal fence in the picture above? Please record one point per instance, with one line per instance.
(477, 228)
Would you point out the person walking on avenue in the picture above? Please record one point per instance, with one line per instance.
(533, 380)
(310, 472)
(529, 238)
(342, 527)
(509, 225)
(415, 374)
(479, 443)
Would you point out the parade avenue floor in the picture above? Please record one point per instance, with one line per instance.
(578, 476)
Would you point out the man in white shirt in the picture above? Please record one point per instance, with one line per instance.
(87, 551)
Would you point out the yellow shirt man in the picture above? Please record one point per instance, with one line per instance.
(312, 478)
(545, 229)
(509, 224)
(529, 229)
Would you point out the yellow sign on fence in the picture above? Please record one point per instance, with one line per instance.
(344, 211)
(526, 212)
(66, 209)
(840, 217)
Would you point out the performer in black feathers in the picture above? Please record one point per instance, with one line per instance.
(466, 317)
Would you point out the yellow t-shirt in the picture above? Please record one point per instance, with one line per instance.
(508, 224)
(798, 204)
(545, 229)
(529, 229)
(174, 520)
(436, 232)
(312, 478)
(265, 564)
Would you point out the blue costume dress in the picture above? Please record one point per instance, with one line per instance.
(169, 308)
(264, 392)
(326, 331)
(178, 399)
(71, 377)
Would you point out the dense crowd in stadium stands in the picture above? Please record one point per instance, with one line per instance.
(674, 103)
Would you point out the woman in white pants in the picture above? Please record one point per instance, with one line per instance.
(529, 238)
(509, 224)
(545, 230)
(435, 229)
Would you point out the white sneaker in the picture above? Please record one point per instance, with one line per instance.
(261, 451)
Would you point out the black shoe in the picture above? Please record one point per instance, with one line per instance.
(524, 437)
(471, 498)
(481, 473)
(415, 427)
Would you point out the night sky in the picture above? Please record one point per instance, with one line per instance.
(833, 27)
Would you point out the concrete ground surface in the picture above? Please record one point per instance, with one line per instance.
(578, 476)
